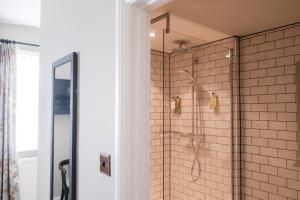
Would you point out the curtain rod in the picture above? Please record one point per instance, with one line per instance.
(21, 43)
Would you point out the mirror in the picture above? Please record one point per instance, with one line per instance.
(64, 123)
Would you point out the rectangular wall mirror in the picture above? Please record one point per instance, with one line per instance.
(64, 129)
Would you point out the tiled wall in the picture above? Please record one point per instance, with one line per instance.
(213, 74)
(268, 118)
(268, 91)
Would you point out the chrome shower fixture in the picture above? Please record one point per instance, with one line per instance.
(183, 46)
(189, 75)
(180, 50)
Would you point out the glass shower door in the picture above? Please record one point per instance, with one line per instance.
(200, 119)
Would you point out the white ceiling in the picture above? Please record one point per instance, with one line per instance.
(170, 38)
(198, 21)
(21, 12)
(224, 18)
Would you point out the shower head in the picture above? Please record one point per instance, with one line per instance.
(183, 46)
(179, 50)
(189, 75)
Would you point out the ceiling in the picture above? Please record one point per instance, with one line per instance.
(198, 21)
(170, 38)
(21, 12)
(210, 20)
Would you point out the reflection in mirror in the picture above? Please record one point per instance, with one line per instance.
(62, 133)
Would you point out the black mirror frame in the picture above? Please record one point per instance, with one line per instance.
(72, 57)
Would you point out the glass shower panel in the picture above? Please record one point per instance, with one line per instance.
(167, 121)
(200, 119)
(160, 118)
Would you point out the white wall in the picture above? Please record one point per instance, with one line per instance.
(20, 33)
(87, 27)
(28, 178)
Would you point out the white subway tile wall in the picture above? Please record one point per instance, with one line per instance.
(268, 97)
(268, 120)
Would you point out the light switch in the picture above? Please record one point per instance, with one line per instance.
(105, 164)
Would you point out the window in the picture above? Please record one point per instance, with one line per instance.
(27, 100)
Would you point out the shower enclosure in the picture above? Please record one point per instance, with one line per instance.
(195, 143)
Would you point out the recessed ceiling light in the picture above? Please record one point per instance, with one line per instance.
(152, 34)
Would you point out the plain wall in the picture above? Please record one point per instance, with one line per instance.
(20, 33)
(87, 27)
(28, 178)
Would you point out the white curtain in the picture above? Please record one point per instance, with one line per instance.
(9, 173)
